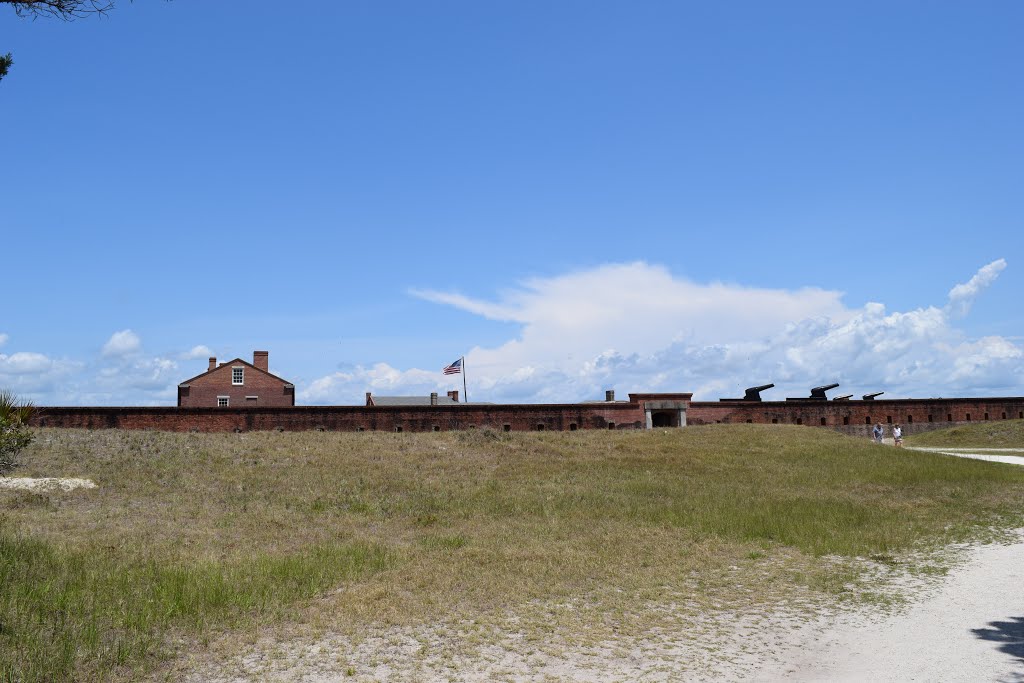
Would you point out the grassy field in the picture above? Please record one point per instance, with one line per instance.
(191, 537)
(992, 434)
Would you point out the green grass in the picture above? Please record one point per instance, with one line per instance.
(193, 536)
(990, 434)
(80, 614)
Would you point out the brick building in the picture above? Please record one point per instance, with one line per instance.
(237, 384)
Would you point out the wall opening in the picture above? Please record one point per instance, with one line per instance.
(506, 428)
(931, 419)
(750, 421)
(846, 420)
(437, 428)
(775, 420)
(986, 416)
(572, 427)
(540, 426)
(799, 420)
(398, 429)
(611, 425)
(664, 418)
(1004, 416)
(360, 429)
(822, 422)
(910, 419)
(888, 419)
(949, 417)
(968, 417)
(867, 420)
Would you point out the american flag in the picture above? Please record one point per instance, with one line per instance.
(454, 369)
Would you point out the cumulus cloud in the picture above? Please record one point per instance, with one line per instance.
(120, 375)
(31, 374)
(121, 343)
(638, 327)
(23, 363)
(381, 379)
(632, 327)
(633, 307)
(197, 352)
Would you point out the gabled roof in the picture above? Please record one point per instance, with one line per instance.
(236, 361)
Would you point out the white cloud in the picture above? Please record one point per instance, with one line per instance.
(121, 344)
(963, 295)
(631, 307)
(23, 363)
(637, 327)
(3, 339)
(31, 375)
(197, 352)
(381, 379)
(632, 327)
(147, 374)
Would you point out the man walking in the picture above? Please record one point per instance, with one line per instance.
(876, 433)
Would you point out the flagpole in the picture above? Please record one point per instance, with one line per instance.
(465, 391)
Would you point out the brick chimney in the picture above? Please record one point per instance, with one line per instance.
(433, 398)
(369, 399)
(609, 395)
(454, 395)
(213, 363)
(261, 359)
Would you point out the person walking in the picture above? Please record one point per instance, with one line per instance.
(897, 435)
(876, 433)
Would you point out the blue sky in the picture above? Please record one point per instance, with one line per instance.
(662, 196)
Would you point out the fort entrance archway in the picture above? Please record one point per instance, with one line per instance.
(664, 413)
(664, 418)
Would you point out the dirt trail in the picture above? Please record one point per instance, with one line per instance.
(969, 628)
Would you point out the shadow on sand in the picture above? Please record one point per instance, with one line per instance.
(1010, 636)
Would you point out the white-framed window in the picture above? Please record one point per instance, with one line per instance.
(237, 376)
(222, 401)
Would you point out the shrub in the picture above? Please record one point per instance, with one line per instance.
(14, 430)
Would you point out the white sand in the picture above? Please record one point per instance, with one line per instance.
(45, 484)
(970, 629)
(966, 626)
(1010, 456)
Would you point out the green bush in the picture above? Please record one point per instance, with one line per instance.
(14, 430)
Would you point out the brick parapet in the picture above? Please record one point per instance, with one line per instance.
(554, 417)
(851, 417)
(858, 417)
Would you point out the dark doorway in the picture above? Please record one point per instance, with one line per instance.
(664, 418)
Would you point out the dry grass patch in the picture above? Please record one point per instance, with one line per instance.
(587, 534)
(991, 434)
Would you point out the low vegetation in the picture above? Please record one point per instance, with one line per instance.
(14, 431)
(989, 434)
(190, 538)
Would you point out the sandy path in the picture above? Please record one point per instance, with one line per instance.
(967, 626)
(1010, 456)
(970, 628)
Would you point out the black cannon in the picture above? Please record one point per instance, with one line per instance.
(817, 393)
(752, 393)
(843, 398)
(871, 397)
